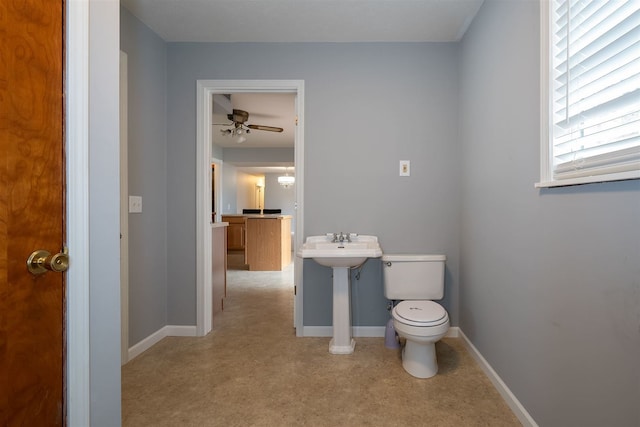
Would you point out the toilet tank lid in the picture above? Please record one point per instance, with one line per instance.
(412, 257)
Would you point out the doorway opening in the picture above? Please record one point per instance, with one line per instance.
(206, 89)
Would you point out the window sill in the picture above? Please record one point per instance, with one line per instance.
(622, 176)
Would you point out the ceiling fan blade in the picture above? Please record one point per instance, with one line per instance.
(267, 128)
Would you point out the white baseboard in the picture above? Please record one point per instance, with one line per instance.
(180, 331)
(368, 331)
(317, 331)
(361, 331)
(453, 332)
(356, 331)
(157, 336)
(511, 400)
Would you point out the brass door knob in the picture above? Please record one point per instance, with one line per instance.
(42, 261)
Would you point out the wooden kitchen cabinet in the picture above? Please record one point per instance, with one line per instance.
(265, 240)
(268, 242)
(236, 232)
(218, 267)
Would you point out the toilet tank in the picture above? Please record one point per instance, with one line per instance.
(407, 277)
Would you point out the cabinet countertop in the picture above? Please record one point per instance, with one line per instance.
(267, 216)
(219, 224)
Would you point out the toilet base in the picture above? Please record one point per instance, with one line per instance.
(419, 359)
(419, 352)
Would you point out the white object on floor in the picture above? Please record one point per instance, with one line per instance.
(416, 280)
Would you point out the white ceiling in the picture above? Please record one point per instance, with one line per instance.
(306, 20)
(269, 109)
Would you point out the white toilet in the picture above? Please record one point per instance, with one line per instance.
(416, 280)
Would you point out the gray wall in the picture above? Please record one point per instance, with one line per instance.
(147, 57)
(274, 196)
(550, 279)
(257, 156)
(278, 197)
(229, 183)
(545, 283)
(367, 106)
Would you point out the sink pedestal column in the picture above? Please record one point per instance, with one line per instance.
(341, 343)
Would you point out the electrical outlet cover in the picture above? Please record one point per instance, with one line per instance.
(405, 168)
(135, 204)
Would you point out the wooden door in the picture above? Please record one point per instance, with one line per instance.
(31, 212)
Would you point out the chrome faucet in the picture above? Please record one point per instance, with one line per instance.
(341, 237)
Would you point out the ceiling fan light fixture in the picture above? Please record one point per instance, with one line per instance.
(241, 128)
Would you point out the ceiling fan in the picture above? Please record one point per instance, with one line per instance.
(240, 126)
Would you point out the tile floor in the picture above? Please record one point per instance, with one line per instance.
(253, 371)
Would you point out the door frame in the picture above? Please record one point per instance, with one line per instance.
(124, 210)
(205, 90)
(217, 163)
(78, 399)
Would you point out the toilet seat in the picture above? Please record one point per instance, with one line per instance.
(420, 313)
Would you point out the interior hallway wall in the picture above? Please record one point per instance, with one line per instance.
(278, 197)
(147, 58)
(367, 106)
(247, 194)
(550, 279)
(229, 185)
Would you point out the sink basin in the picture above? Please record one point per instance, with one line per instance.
(340, 254)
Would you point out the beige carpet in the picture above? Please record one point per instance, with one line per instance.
(253, 371)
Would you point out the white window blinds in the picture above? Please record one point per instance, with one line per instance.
(595, 88)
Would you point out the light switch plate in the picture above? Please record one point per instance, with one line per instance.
(135, 204)
(405, 168)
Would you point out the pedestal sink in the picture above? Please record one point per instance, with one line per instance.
(351, 252)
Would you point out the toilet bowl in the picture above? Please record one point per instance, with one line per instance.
(421, 323)
(413, 282)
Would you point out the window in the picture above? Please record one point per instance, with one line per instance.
(590, 84)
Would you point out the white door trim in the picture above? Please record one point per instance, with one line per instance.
(205, 90)
(124, 211)
(218, 190)
(78, 400)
